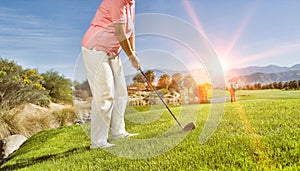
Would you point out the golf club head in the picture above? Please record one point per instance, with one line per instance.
(189, 127)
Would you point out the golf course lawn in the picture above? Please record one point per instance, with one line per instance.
(259, 132)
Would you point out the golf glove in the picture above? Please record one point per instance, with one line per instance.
(134, 60)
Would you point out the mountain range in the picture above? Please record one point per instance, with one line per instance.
(264, 75)
(256, 69)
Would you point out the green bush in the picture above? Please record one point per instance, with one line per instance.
(18, 86)
(164, 91)
(58, 86)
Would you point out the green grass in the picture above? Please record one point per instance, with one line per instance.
(260, 132)
(267, 94)
(259, 94)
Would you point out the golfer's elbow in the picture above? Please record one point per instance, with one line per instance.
(120, 31)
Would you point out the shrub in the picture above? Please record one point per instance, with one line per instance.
(65, 116)
(164, 91)
(15, 121)
(18, 86)
(9, 123)
(35, 123)
(58, 86)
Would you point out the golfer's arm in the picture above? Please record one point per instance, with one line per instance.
(132, 42)
(126, 44)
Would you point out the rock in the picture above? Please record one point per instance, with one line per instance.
(10, 144)
(2, 149)
(78, 122)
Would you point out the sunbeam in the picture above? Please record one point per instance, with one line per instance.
(268, 54)
(190, 10)
(241, 29)
(254, 137)
(223, 54)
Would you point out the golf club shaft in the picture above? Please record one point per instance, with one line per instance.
(148, 82)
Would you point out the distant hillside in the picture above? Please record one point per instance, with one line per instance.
(267, 78)
(256, 69)
(295, 67)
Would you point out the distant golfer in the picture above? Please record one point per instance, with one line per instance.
(232, 90)
(111, 30)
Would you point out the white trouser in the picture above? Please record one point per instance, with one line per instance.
(107, 82)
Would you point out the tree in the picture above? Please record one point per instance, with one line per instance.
(201, 91)
(177, 77)
(18, 86)
(138, 78)
(293, 84)
(264, 87)
(150, 77)
(58, 86)
(163, 81)
(249, 87)
(175, 83)
(275, 85)
(286, 85)
(257, 86)
(189, 82)
(296, 84)
(270, 86)
(280, 85)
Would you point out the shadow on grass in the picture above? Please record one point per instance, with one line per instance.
(22, 163)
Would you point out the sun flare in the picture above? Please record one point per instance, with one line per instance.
(224, 63)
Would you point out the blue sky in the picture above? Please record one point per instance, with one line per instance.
(47, 34)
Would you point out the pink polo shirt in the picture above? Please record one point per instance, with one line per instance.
(101, 34)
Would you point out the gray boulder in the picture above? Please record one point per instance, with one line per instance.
(10, 144)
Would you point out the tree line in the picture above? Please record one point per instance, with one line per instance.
(289, 85)
(177, 83)
(18, 85)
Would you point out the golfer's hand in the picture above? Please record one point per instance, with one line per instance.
(135, 62)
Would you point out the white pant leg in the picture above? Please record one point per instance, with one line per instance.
(101, 81)
(120, 96)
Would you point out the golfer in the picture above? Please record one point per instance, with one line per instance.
(232, 93)
(111, 30)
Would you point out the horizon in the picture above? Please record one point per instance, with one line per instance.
(46, 35)
(81, 73)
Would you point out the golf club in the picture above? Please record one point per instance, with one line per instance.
(187, 127)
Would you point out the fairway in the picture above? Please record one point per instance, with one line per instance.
(259, 132)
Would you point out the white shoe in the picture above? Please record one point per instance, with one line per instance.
(102, 145)
(123, 136)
